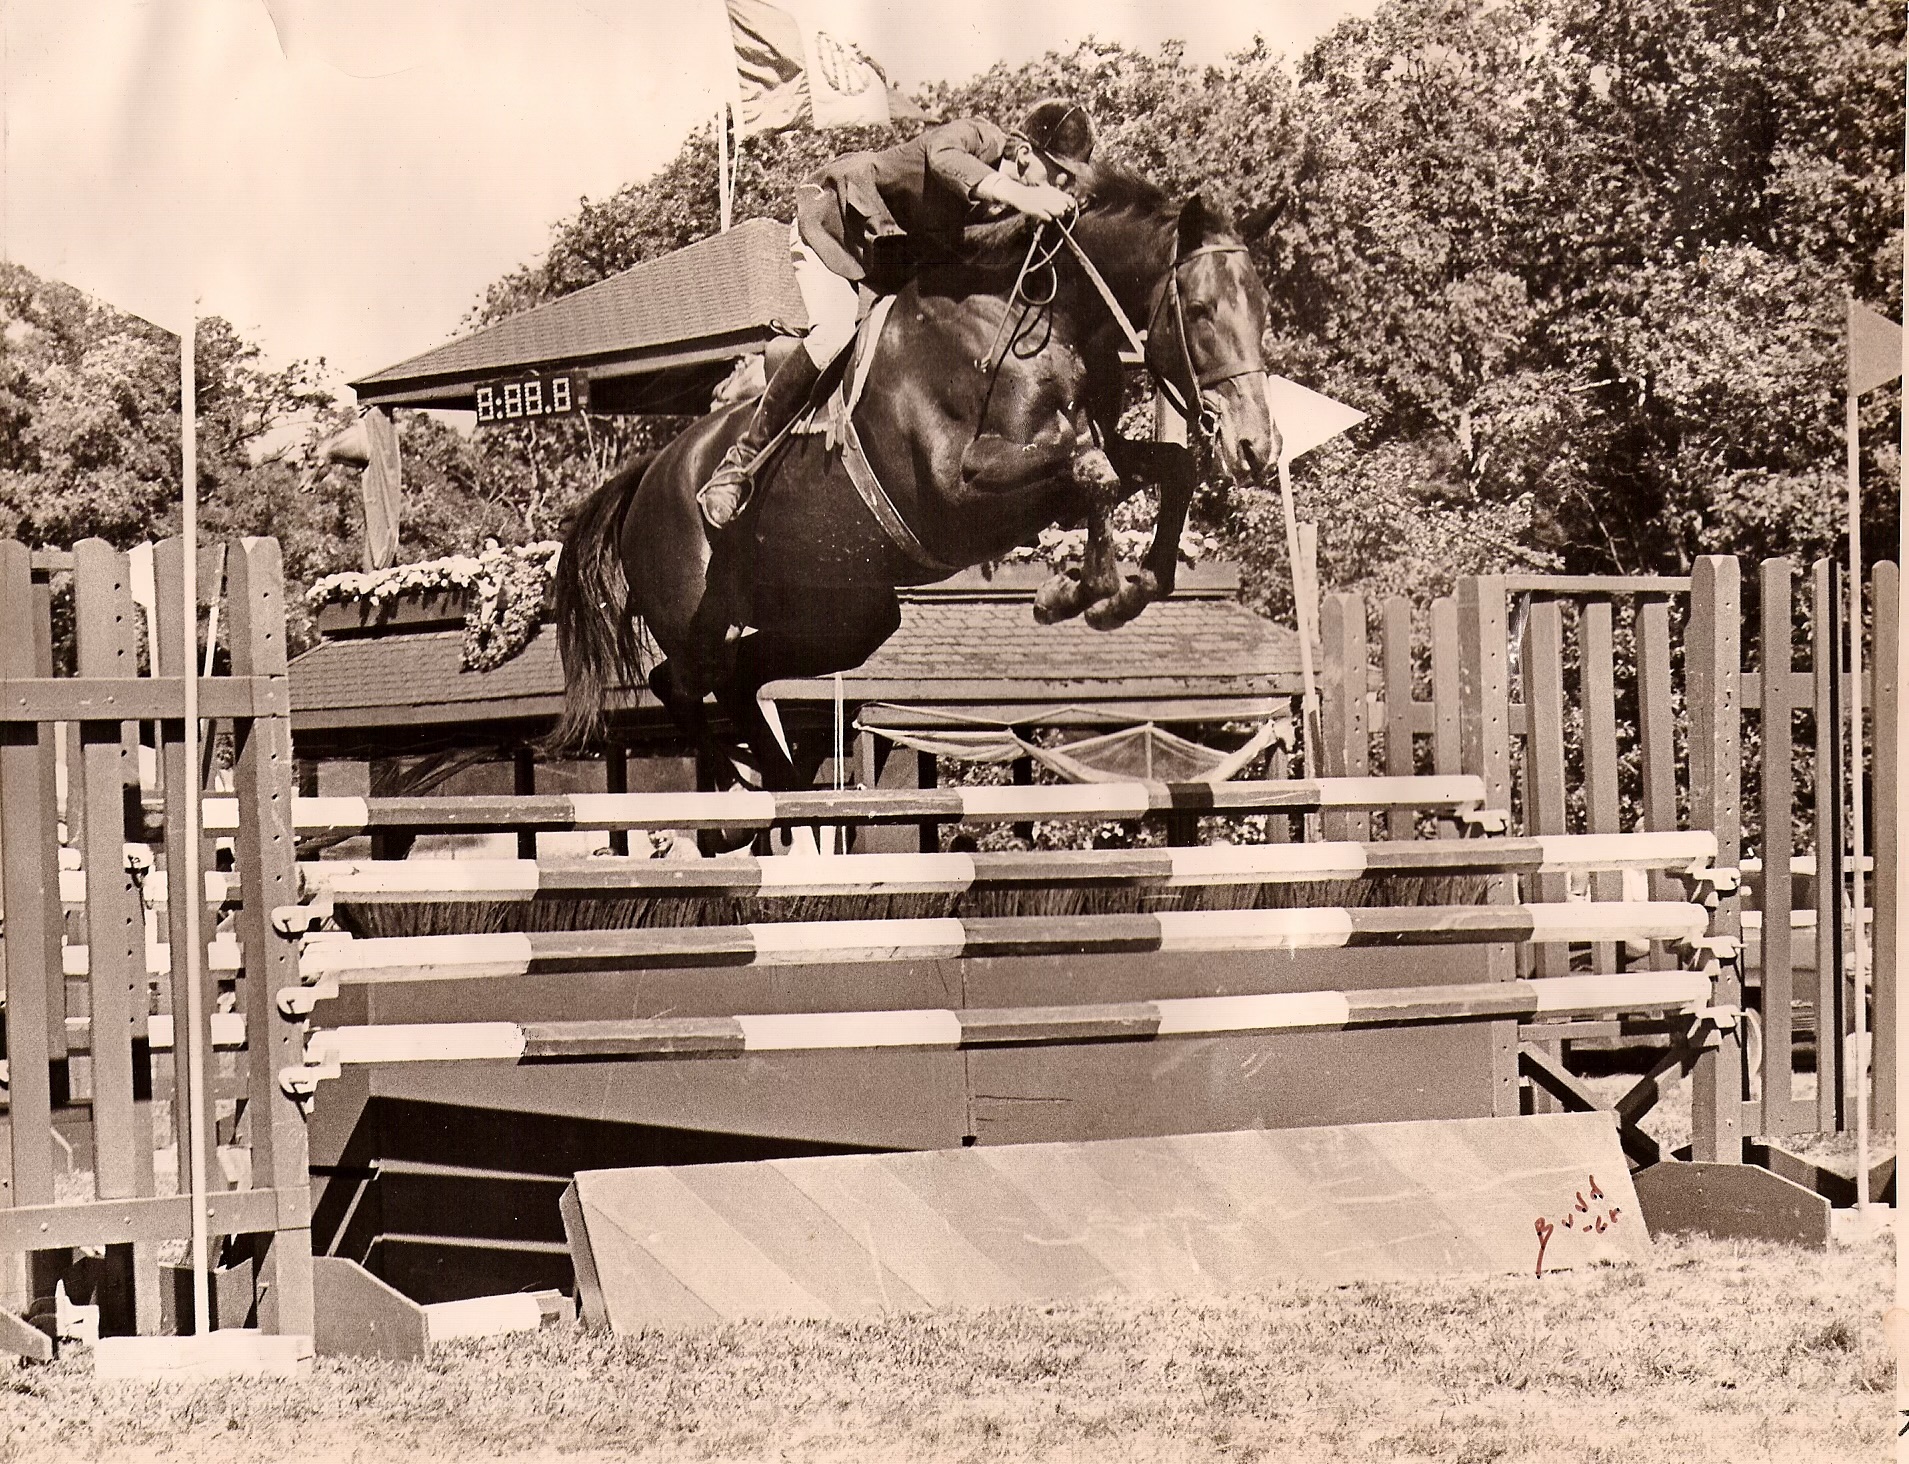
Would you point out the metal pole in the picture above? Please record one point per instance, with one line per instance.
(724, 178)
(1859, 1065)
(189, 884)
(1302, 601)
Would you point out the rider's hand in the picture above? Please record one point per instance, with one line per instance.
(1043, 201)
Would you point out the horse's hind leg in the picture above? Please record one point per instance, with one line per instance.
(715, 764)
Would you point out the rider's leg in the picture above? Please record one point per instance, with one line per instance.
(723, 496)
(830, 302)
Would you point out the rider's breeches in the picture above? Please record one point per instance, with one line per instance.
(828, 298)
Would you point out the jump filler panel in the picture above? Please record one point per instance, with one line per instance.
(1192, 1214)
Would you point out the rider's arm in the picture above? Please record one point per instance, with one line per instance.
(963, 155)
(1037, 200)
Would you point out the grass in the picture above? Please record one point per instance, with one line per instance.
(1706, 1351)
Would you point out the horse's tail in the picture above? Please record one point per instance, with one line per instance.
(597, 635)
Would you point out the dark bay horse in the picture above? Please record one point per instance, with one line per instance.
(990, 412)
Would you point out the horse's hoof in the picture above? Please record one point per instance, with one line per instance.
(1123, 605)
(1060, 598)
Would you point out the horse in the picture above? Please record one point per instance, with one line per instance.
(991, 411)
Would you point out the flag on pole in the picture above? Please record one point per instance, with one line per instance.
(788, 69)
(1305, 418)
(1875, 349)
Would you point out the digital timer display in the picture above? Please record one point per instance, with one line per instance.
(531, 397)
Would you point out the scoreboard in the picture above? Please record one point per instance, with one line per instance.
(527, 398)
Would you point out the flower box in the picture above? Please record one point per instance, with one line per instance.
(410, 610)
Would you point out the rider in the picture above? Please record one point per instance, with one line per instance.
(857, 216)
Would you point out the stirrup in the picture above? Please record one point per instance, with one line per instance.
(727, 492)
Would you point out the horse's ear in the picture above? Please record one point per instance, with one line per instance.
(1195, 224)
(1256, 223)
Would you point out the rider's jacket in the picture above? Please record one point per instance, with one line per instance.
(923, 187)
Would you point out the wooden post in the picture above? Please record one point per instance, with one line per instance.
(616, 779)
(269, 876)
(1713, 662)
(1597, 695)
(116, 939)
(927, 775)
(1400, 758)
(1485, 731)
(1541, 672)
(1887, 847)
(1777, 795)
(1826, 659)
(35, 988)
(523, 782)
(1343, 716)
(1448, 742)
(60, 1072)
(1022, 771)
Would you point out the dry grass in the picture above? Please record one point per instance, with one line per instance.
(1704, 1352)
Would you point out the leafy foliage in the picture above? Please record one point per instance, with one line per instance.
(1582, 263)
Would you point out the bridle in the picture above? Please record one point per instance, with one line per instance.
(1183, 394)
(1201, 421)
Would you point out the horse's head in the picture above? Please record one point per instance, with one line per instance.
(1204, 338)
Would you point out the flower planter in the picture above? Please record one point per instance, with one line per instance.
(411, 610)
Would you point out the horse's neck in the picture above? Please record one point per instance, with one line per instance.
(1133, 256)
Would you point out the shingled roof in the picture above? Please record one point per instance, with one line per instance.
(967, 648)
(654, 338)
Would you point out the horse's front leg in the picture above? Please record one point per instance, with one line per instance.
(1170, 468)
(1097, 583)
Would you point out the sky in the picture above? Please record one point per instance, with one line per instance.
(343, 178)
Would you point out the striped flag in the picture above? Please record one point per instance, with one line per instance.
(788, 69)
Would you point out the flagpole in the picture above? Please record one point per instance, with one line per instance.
(1302, 601)
(1901, 1308)
(723, 182)
(188, 884)
(1852, 429)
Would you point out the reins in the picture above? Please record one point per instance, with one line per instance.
(1185, 399)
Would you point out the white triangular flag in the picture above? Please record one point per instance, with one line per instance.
(1304, 417)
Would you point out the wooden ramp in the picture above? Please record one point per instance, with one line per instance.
(1191, 1214)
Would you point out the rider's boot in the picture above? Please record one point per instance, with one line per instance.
(723, 496)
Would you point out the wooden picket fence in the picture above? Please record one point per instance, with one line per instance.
(1611, 724)
(87, 1062)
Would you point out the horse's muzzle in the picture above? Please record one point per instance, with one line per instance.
(1246, 435)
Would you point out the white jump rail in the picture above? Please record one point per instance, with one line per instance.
(1459, 795)
(327, 1052)
(329, 962)
(414, 881)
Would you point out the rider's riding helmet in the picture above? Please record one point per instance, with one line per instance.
(1060, 130)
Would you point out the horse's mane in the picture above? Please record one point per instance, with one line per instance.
(1111, 192)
